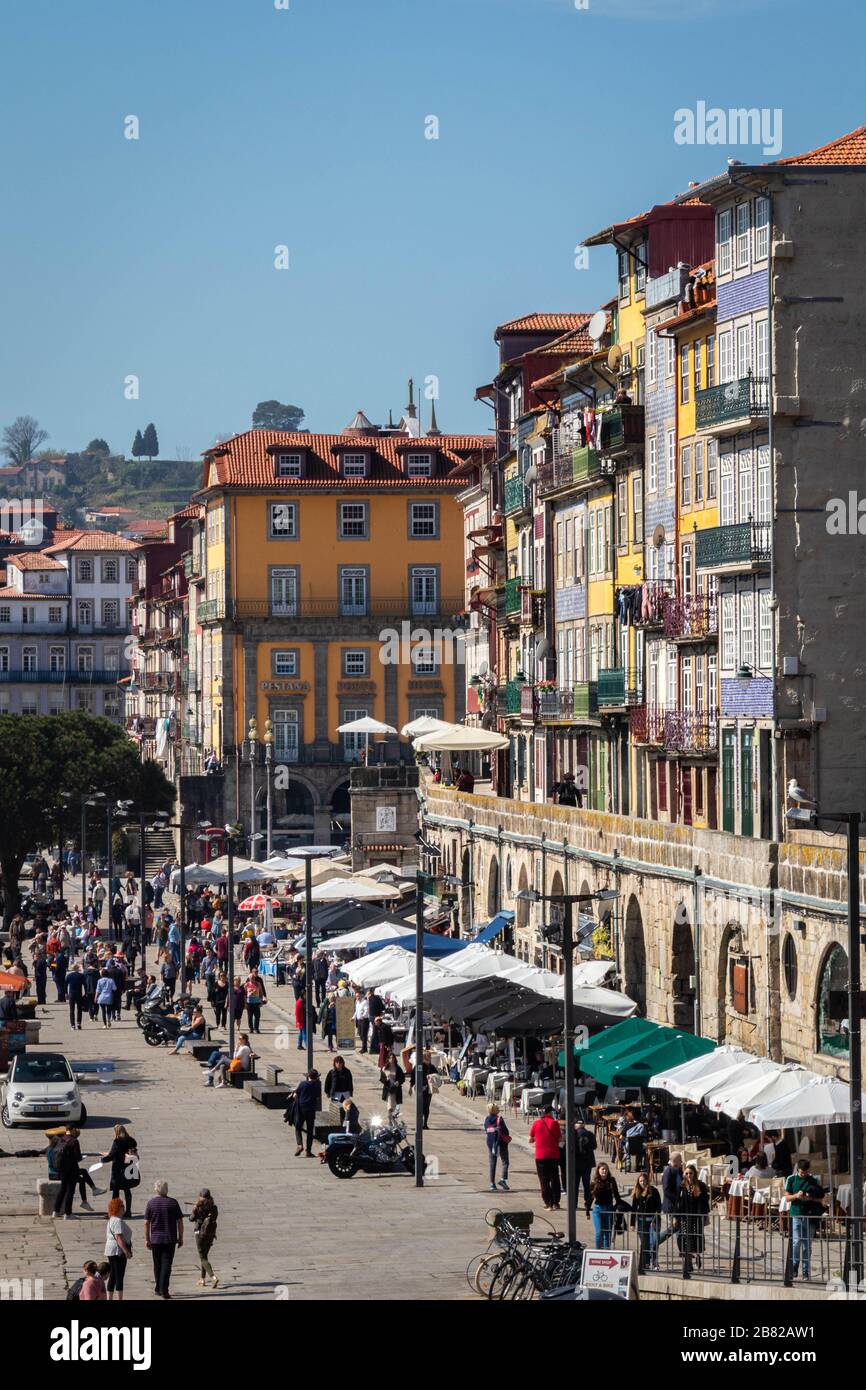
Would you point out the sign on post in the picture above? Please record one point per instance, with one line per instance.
(345, 1022)
(610, 1270)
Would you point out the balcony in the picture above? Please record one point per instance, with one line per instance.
(584, 700)
(154, 681)
(528, 706)
(647, 724)
(622, 430)
(732, 406)
(513, 697)
(559, 471)
(513, 599)
(656, 593)
(44, 676)
(745, 545)
(693, 732)
(691, 617)
(516, 496)
(312, 609)
(664, 289)
(611, 687)
(585, 465)
(532, 605)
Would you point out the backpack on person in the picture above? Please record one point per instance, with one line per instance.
(584, 1147)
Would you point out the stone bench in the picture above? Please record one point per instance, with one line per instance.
(46, 1192)
(31, 1031)
(239, 1079)
(202, 1050)
(272, 1097)
(273, 1074)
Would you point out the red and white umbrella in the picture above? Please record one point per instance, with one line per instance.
(258, 902)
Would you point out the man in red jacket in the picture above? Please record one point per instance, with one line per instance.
(546, 1135)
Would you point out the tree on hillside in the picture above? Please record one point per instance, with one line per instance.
(97, 446)
(150, 443)
(22, 438)
(138, 446)
(43, 755)
(273, 415)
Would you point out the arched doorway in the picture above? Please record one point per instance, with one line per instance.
(634, 955)
(293, 814)
(682, 972)
(832, 1003)
(466, 891)
(493, 888)
(341, 818)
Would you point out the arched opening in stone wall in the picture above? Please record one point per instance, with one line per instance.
(466, 894)
(832, 1003)
(493, 887)
(341, 818)
(683, 972)
(521, 905)
(634, 955)
(292, 814)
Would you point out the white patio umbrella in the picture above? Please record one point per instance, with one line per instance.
(761, 1090)
(389, 871)
(281, 863)
(354, 940)
(689, 1081)
(339, 890)
(426, 724)
(379, 968)
(365, 726)
(194, 873)
(243, 870)
(824, 1101)
(717, 1089)
(460, 739)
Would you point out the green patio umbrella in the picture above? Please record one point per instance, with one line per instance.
(634, 1065)
(618, 1035)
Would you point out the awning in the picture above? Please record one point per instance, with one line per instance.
(635, 1065)
(496, 925)
(383, 933)
(431, 945)
(692, 1080)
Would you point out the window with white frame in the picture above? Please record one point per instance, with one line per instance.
(723, 251)
(288, 466)
(284, 592)
(684, 374)
(353, 591)
(712, 469)
(423, 586)
(111, 704)
(762, 228)
(4, 658)
(131, 571)
(762, 510)
(28, 658)
(622, 276)
(688, 695)
(424, 660)
(744, 350)
(283, 520)
(419, 465)
(728, 631)
(423, 520)
(765, 631)
(671, 678)
(84, 658)
(29, 703)
(353, 521)
(110, 570)
(654, 676)
(110, 659)
(55, 615)
(56, 700)
(28, 614)
(727, 504)
(355, 662)
(640, 258)
(353, 744)
(354, 465)
(699, 473)
(762, 349)
(652, 465)
(111, 612)
(711, 360)
(670, 350)
(84, 609)
(688, 571)
(5, 613)
(697, 365)
(286, 725)
(744, 498)
(699, 683)
(286, 663)
(671, 458)
(726, 357)
(637, 509)
(741, 253)
(622, 513)
(712, 682)
(686, 476)
(652, 360)
(747, 629)
(84, 571)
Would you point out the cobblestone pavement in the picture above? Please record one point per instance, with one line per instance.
(288, 1228)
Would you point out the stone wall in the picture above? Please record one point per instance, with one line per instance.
(702, 918)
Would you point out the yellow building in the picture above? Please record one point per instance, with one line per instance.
(333, 591)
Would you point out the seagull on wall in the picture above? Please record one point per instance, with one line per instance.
(796, 793)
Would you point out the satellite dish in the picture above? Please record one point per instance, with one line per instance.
(597, 325)
(614, 357)
(542, 647)
(658, 536)
(530, 475)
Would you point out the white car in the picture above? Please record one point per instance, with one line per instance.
(40, 1086)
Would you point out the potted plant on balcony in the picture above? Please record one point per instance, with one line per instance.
(546, 685)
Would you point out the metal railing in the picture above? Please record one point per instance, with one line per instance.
(691, 616)
(647, 724)
(586, 465)
(532, 604)
(622, 429)
(43, 676)
(662, 288)
(513, 697)
(654, 597)
(513, 589)
(448, 607)
(691, 731)
(515, 496)
(744, 543)
(744, 399)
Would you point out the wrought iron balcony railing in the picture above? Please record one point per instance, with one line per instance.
(622, 429)
(654, 597)
(213, 610)
(532, 603)
(647, 724)
(516, 496)
(44, 676)
(586, 465)
(691, 617)
(744, 544)
(718, 407)
(691, 731)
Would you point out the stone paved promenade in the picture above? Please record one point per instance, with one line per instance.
(287, 1228)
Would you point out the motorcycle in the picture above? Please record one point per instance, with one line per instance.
(377, 1149)
(158, 1010)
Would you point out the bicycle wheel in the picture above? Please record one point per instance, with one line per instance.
(503, 1279)
(485, 1273)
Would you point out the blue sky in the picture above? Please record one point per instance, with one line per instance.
(305, 127)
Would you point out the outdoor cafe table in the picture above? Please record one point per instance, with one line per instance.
(495, 1082)
(474, 1078)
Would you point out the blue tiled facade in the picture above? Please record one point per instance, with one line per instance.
(751, 698)
(570, 603)
(741, 296)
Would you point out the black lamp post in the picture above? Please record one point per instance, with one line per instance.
(309, 853)
(91, 798)
(802, 814)
(432, 852)
(566, 900)
(233, 834)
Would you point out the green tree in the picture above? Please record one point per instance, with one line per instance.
(97, 446)
(273, 415)
(42, 756)
(22, 438)
(138, 446)
(150, 443)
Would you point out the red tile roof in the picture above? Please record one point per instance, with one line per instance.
(35, 560)
(246, 460)
(542, 323)
(847, 149)
(8, 592)
(88, 540)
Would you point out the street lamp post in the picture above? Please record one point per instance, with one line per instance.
(269, 758)
(805, 813)
(181, 826)
(566, 900)
(158, 818)
(431, 851)
(233, 834)
(254, 748)
(309, 853)
(91, 798)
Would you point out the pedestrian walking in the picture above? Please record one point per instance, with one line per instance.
(75, 992)
(61, 965)
(694, 1212)
(163, 1235)
(118, 1248)
(498, 1140)
(255, 997)
(219, 1000)
(125, 1170)
(306, 1102)
(338, 1082)
(584, 1161)
(605, 1198)
(320, 975)
(239, 1000)
(40, 975)
(646, 1205)
(204, 1220)
(301, 1020)
(168, 972)
(327, 1017)
(67, 1162)
(392, 1077)
(805, 1193)
(546, 1135)
(105, 992)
